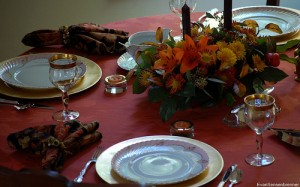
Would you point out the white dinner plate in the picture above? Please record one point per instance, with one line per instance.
(126, 61)
(31, 71)
(287, 19)
(160, 162)
(214, 167)
(92, 77)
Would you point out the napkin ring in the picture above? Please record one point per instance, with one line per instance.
(65, 34)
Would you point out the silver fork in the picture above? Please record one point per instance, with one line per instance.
(93, 159)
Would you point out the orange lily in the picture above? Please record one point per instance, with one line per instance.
(169, 59)
(197, 53)
(191, 57)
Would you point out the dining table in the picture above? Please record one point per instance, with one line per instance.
(127, 117)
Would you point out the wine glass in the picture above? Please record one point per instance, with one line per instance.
(259, 115)
(63, 74)
(176, 7)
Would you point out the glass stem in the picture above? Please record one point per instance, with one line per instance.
(65, 100)
(259, 144)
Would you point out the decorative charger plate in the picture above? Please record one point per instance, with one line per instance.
(92, 76)
(160, 162)
(126, 61)
(107, 173)
(31, 71)
(287, 19)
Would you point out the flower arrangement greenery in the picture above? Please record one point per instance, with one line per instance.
(211, 65)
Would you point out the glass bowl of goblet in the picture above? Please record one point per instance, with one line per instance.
(176, 7)
(259, 115)
(63, 74)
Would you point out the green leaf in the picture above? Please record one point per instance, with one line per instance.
(188, 90)
(137, 88)
(288, 59)
(272, 74)
(168, 108)
(258, 85)
(157, 94)
(229, 99)
(288, 45)
(209, 15)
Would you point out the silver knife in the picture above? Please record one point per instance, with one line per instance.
(226, 175)
(12, 102)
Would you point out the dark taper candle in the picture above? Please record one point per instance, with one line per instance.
(186, 20)
(228, 14)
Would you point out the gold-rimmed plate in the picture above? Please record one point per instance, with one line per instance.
(31, 71)
(92, 76)
(214, 168)
(287, 19)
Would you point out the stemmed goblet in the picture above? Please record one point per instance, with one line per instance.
(259, 114)
(63, 74)
(176, 7)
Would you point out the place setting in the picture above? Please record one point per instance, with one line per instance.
(17, 80)
(192, 78)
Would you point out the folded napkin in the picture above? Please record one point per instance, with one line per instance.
(55, 143)
(290, 136)
(86, 36)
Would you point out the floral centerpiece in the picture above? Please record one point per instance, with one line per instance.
(210, 65)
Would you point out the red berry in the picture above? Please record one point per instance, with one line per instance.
(272, 59)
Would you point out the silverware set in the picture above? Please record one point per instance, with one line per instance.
(22, 106)
(93, 159)
(233, 174)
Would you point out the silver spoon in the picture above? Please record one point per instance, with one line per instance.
(235, 177)
(22, 107)
(31, 105)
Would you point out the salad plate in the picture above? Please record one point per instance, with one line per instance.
(160, 162)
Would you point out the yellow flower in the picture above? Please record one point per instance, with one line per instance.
(259, 64)
(180, 44)
(222, 44)
(239, 49)
(145, 77)
(208, 57)
(227, 58)
(194, 31)
(175, 83)
(207, 30)
(207, 52)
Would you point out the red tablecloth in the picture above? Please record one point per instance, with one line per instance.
(125, 116)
